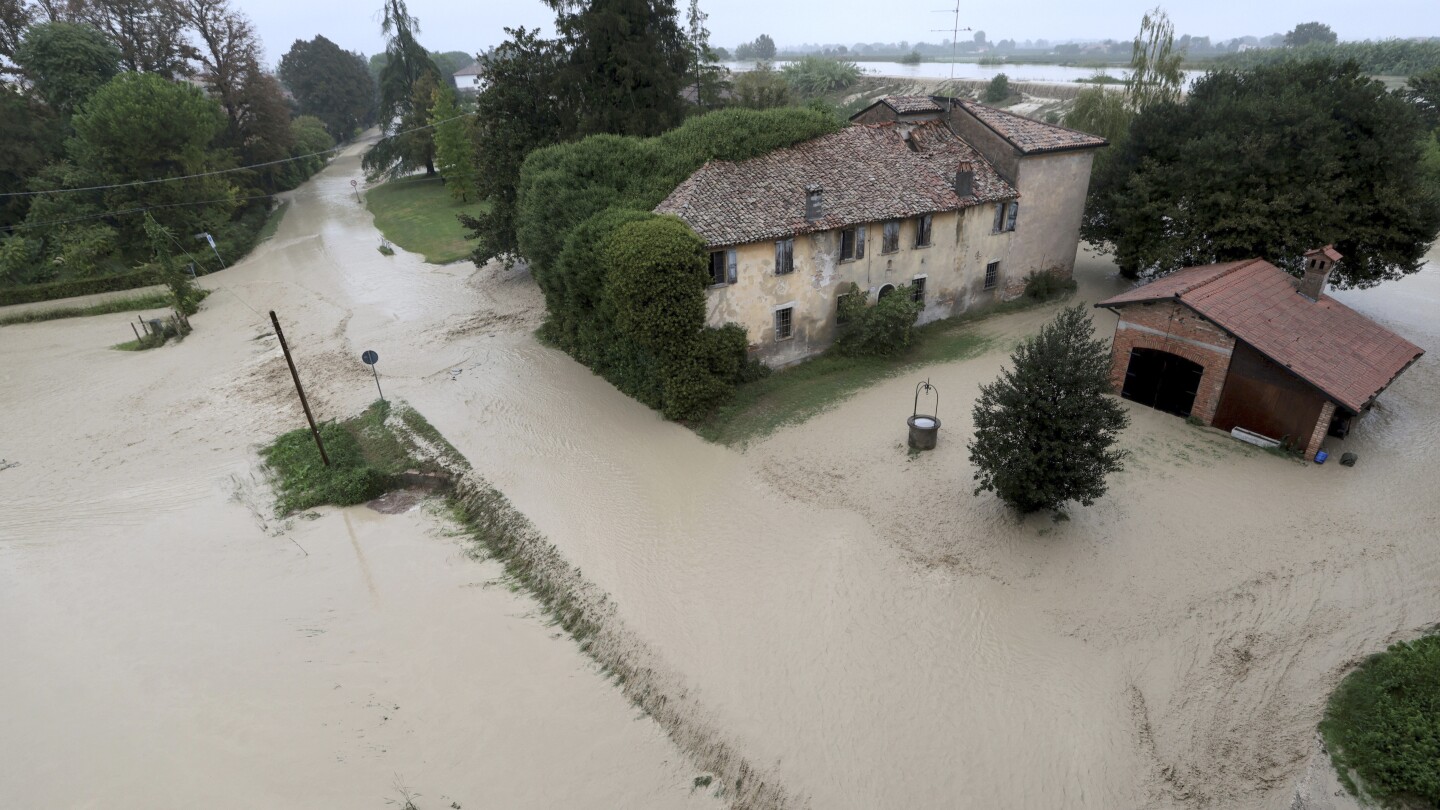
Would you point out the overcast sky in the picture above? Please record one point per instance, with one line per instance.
(453, 25)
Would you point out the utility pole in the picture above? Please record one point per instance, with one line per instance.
(954, 50)
(295, 375)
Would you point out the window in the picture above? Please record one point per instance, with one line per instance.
(722, 267)
(1005, 214)
(852, 243)
(992, 275)
(784, 320)
(922, 230)
(884, 291)
(785, 256)
(891, 241)
(917, 289)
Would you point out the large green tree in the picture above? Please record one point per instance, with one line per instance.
(454, 144)
(331, 84)
(30, 138)
(1045, 431)
(149, 33)
(626, 63)
(66, 62)
(407, 81)
(1270, 162)
(1310, 33)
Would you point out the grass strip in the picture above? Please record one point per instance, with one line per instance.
(156, 300)
(418, 214)
(1382, 726)
(795, 394)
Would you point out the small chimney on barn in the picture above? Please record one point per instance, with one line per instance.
(964, 179)
(814, 203)
(1318, 264)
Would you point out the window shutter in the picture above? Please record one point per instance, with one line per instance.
(860, 242)
(1014, 211)
(999, 216)
(730, 267)
(779, 257)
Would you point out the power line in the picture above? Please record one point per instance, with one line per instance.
(135, 183)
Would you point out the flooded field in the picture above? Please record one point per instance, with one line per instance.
(864, 630)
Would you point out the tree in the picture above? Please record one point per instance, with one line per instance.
(998, 89)
(762, 88)
(764, 47)
(1423, 90)
(1155, 75)
(979, 38)
(30, 137)
(149, 33)
(1308, 33)
(142, 126)
(66, 62)
(454, 145)
(331, 84)
(184, 295)
(513, 119)
(1270, 162)
(1100, 112)
(705, 76)
(626, 62)
(406, 83)
(1045, 430)
(15, 17)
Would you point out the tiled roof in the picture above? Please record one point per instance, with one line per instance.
(867, 173)
(909, 105)
(472, 69)
(1336, 349)
(1028, 135)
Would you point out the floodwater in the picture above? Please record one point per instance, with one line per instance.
(862, 628)
(971, 71)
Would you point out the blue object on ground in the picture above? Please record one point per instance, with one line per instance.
(1320, 456)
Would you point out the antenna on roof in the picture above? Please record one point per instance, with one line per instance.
(954, 49)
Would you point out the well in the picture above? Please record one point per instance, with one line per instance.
(924, 427)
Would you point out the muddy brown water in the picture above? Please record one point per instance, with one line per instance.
(864, 630)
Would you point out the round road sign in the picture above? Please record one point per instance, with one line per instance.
(369, 358)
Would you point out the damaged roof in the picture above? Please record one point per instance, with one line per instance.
(1329, 345)
(866, 173)
(1027, 135)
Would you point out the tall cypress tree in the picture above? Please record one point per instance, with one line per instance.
(406, 82)
(1045, 430)
(627, 63)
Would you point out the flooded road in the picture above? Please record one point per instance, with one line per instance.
(857, 624)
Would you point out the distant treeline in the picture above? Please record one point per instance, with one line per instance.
(1387, 57)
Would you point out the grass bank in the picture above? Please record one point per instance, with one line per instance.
(792, 395)
(156, 300)
(1382, 726)
(418, 214)
(368, 453)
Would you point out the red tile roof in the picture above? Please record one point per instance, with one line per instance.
(866, 173)
(910, 105)
(1346, 355)
(1028, 135)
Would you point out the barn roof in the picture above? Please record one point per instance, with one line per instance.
(866, 173)
(1329, 345)
(1028, 136)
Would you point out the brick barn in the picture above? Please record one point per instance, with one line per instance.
(1245, 344)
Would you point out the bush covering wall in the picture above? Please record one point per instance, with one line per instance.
(625, 289)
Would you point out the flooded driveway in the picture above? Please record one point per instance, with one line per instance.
(859, 625)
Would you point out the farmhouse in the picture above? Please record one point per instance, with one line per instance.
(897, 201)
(1245, 344)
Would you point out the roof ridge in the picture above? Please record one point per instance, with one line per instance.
(1236, 267)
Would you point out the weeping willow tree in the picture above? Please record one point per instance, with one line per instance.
(407, 87)
(1155, 78)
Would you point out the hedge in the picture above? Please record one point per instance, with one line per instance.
(80, 286)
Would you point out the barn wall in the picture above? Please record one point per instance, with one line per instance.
(1179, 330)
(1265, 397)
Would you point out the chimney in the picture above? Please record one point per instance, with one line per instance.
(964, 179)
(814, 203)
(1318, 264)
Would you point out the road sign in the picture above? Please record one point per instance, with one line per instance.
(369, 358)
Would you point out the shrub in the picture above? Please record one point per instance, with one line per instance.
(1383, 723)
(656, 283)
(1042, 285)
(998, 89)
(82, 286)
(912, 58)
(882, 330)
(815, 75)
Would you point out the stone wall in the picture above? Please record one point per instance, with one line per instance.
(1179, 330)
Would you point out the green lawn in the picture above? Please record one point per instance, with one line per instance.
(795, 394)
(417, 214)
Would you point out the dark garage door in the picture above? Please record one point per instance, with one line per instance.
(1164, 381)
